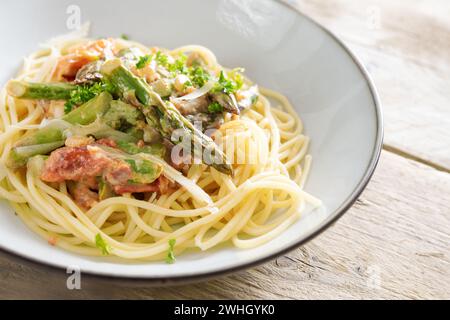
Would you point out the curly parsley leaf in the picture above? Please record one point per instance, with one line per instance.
(215, 107)
(198, 76)
(179, 65)
(102, 244)
(84, 93)
(170, 254)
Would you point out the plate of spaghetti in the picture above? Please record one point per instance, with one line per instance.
(178, 151)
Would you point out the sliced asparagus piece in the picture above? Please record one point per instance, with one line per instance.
(34, 90)
(162, 115)
(52, 137)
(19, 155)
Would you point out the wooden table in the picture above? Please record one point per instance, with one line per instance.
(395, 241)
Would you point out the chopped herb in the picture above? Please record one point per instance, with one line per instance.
(238, 78)
(179, 65)
(225, 85)
(162, 59)
(170, 255)
(68, 107)
(102, 245)
(143, 61)
(124, 36)
(132, 164)
(84, 93)
(254, 99)
(215, 107)
(198, 76)
(131, 148)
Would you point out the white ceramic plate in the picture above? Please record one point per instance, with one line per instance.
(280, 49)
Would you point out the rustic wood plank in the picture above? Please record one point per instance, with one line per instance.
(406, 48)
(394, 243)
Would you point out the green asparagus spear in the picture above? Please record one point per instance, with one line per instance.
(89, 111)
(32, 90)
(52, 137)
(162, 115)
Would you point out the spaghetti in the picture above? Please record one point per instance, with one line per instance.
(204, 207)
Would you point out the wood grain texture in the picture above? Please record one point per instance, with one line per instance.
(405, 46)
(394, 243)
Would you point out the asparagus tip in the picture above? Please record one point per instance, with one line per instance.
(16, 88)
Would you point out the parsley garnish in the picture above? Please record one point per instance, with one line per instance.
(215, 107)
(124, 36)
(146, 167)
(162, 59)
(84, 93)
(170, 255)
(143, 61)
(102, 245)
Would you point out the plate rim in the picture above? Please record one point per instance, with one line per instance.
(331, 219)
